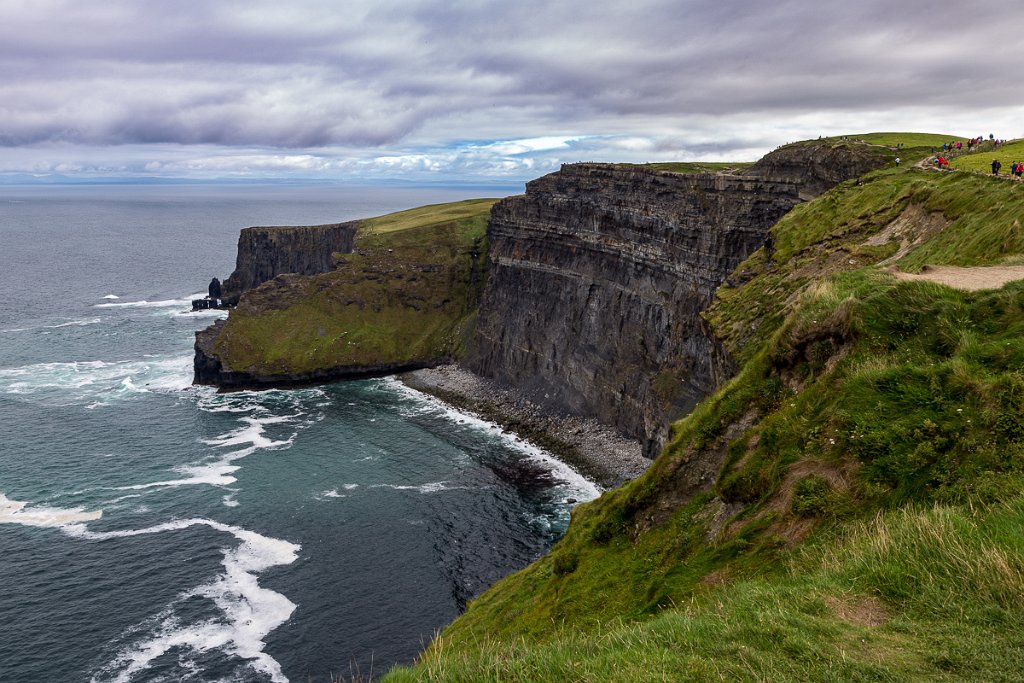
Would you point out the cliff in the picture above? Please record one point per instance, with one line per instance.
(597, 276)
(820, 165)
(266, 252)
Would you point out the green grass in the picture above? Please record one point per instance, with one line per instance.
(905, 139)
(425, 216)
(915, 146)
(982, 161)
(408, 294)
(861, 519)
(698, 166)
(917, 594)
(832, 233)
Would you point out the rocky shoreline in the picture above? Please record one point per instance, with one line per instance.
(595, 450)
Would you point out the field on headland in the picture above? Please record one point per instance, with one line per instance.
(404, 295)
(868, 468)
(982, 161)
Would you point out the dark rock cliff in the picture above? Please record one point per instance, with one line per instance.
(597, 276)
(820, 166)
(265, 253)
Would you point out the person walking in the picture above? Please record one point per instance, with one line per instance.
(996, 166)
(897, 162)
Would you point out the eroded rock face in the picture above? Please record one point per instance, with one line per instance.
(597, 276)
(265, 253)
(818, 167)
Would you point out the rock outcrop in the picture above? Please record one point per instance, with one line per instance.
(820, 166)
(597, 277)
(266, 252)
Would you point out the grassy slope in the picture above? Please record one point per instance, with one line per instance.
(906, 139)
(982, 161)
(859, 395)
(915, 146)
(408, 293)
(698, 166)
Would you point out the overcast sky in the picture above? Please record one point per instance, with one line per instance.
(467, 90)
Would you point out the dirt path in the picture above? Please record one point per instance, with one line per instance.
(981, 277)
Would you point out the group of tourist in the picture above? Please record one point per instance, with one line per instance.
(955, 148)
(1016, 171)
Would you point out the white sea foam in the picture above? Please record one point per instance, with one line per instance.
(70, 323)
(163, 303)
(17, 512)
(579, 486)
(201, 313)
(333, 493)
(218, 472)
(250, 611)
(76, 323)
(430, 487)
(97, 382)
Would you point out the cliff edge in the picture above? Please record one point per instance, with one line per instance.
(597, 277)
(266, 252)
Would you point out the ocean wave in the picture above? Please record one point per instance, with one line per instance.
(97, 382)
(18, 512)
(165, 303)
(266, 400)
(250, 611)
(70, 323)
(430, 487)
(75, 323)
(111, 296)
(145, 304)
(218, 472)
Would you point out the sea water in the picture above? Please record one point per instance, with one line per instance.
(155, 531)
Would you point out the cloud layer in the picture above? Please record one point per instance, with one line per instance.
(480, 87)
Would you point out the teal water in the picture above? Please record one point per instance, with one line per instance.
(154, 531)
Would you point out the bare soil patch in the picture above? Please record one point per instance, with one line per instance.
(859, 610)
(980, 277)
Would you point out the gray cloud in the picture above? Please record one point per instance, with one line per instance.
(393, 79)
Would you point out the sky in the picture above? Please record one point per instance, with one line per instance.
(479, 90)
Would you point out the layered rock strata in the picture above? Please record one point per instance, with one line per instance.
(597, 277)
(818, 166)
(266, 252)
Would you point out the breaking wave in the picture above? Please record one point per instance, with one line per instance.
(18, 512)
(249, 611)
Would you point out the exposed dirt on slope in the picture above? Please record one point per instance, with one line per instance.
(980, 277)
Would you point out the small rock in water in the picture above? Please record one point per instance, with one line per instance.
(570, 501)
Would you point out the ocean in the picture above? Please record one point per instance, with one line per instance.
(155, 531)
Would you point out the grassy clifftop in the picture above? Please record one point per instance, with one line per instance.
(406, 294)
(847, 508)
(981, 161)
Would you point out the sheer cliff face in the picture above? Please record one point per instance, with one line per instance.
(265, 253)
(597, 276)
